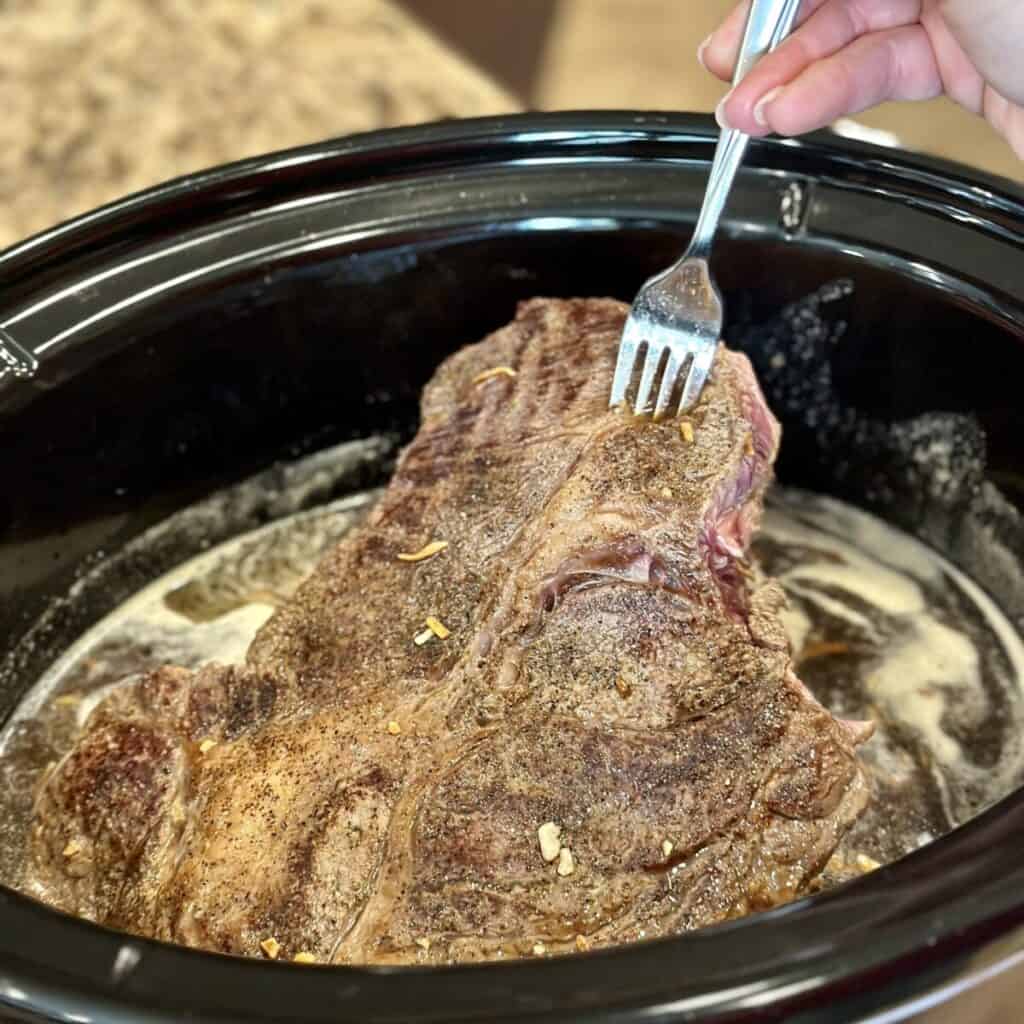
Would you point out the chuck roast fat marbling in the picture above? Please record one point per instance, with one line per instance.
(615, 685)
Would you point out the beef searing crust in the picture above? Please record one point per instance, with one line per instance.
(614, 667)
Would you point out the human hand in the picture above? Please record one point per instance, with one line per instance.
(849, 55)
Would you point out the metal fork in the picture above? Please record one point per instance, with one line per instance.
(677, 314)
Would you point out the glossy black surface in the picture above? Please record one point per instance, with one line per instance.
(201, 331)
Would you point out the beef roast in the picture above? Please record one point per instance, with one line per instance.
(616, 677)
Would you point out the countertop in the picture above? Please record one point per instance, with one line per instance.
(105, 97)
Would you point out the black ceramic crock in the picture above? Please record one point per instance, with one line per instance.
(184, 338)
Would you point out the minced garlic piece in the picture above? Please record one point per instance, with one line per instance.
(206, 746)
(271, 947)
(438, 628)
(748, 445)
(424, 944)
(866, 863)
(433, 548)
(581, 943)
(497, 371)
(686, 430)
(303, 958)
(666, 492)
(421, 638)
(549, 835)
(72, 849)
(67, 700)
(824, 649)
(667, 847)
(394, 728)
(625, 690)
(539, 949)
(566, 865)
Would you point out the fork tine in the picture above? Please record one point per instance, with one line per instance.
(643, 394)
(624, 367)
(668, 382)
(699, 369)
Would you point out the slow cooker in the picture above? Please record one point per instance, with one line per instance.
(230, 322)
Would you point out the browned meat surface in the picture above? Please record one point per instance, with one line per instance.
(614, 668)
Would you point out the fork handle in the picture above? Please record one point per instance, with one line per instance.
(768, 24)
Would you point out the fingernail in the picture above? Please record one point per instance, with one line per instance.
(723, 121)
(759, 107)
(701, 50)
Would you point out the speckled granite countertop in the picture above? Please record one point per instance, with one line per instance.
(104, 97)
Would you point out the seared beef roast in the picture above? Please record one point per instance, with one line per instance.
(601, 739)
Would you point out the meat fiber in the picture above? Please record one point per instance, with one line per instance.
(616, 679)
